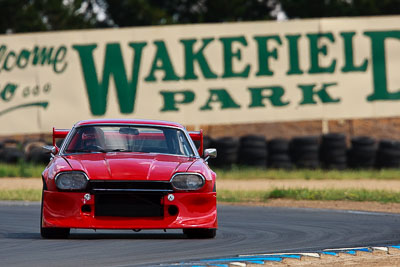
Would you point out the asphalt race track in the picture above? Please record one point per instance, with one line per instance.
(241, 230)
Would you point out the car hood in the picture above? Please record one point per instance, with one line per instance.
(129, 166)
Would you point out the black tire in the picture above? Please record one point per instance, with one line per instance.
(333, 137)
(207, 141)
(226, 142)
(332, 153)
(362, 153)
(388, 154)
(51, 233)
(305, 141)
(285, 165)
(326, 160)
(335, 166)
(39, 155)
(278, 145)
(304, 152)
(279, 157)
(201, 233)
(11, 155)
(253, 153)
(334, 141)
(253, 141)
(389, 144)
(362, 141)
(227, 148)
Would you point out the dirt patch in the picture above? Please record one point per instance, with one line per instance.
(20, 183)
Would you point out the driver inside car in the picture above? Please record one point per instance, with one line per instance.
(90, 139)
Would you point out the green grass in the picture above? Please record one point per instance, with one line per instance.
(310, 194)
(21, 169)
(247, 173)
(21, 194)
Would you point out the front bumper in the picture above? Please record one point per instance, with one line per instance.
(64, 209)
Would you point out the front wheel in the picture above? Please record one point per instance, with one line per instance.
(51, 233)
(200, 233)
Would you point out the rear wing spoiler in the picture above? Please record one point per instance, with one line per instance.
(198, 136)
(59, 133)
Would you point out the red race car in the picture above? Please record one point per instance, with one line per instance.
(128, 174)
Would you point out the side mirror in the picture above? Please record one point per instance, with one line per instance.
(53, 149)
(210, 153)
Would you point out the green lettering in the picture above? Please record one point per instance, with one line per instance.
(162, 62)
(6, 66)
(113, 66)
(221, 96)
(191, 57)
(273, 93)
(3, 50)
(379, 65)
(316, 50)
(294, 54)
(172, 99)
(42, 56)
(348, 54)
(8, 92)
(309, 93)
(59, 58)
(264, 53)
(229, 55)
(23, 58)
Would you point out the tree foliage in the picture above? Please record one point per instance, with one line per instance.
(155, 12)
(45, 15)
(339, 8)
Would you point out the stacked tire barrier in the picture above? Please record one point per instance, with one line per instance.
(329, 151)
(227, 149)
(304, 152)
(333, 151)
(253, 151)
(388, 154)
(362, 153)
(35, 153)
(10, 151)
(279, 157)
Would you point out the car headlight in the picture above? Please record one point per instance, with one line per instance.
(187, 181)
(74, 180)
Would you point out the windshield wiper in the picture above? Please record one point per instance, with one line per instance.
(86, 150)
(118, 150)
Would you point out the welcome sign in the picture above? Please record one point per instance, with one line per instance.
(202, 74)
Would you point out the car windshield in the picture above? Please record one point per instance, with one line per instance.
(164, 140)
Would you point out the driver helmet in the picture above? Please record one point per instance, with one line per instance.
(89, 137)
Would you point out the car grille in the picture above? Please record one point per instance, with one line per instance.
(129, 186)
(129, 205)
(129, 198)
